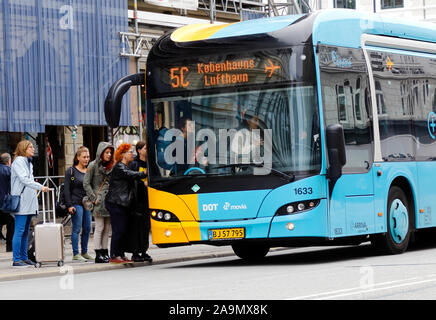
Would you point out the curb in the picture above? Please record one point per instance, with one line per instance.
(53, 270)
(93, 267)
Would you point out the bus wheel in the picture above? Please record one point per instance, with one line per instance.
(397, 237)
(250, 251)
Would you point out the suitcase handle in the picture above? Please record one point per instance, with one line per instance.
(50, 192)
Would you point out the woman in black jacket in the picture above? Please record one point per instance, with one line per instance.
(120, 198)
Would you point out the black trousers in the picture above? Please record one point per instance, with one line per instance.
(139, 230)
(119, 223)
(8, 220)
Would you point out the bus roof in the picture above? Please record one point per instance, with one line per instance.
(341, 27)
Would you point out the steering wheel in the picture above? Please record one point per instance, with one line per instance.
(193, 169)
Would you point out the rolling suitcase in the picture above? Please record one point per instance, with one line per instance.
(49, 236)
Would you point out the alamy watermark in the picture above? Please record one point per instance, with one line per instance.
(66, 282)
(231, 146)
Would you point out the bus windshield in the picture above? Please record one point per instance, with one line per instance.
(252, 132)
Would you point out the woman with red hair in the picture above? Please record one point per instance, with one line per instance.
(120, 199)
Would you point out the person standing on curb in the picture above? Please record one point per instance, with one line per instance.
(5, 188)
(74, 194)
(140, 221)
(23, 184)
(119, 200)
(96, 185)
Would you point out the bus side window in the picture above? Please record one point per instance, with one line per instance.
(346, 101)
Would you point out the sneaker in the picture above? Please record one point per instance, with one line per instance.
(137, 258)
(87, 256)
(126, 260)
(20, 264)
(29, 262)
(78, 257)
(117, 260)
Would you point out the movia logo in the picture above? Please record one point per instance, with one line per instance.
(341, 62)
(228, 206)
(431, 124)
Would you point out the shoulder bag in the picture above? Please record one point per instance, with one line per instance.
(11, 203)
(88, 205)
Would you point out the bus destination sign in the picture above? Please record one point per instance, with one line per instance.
(213, 73)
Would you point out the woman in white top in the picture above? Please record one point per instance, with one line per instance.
(23, 184)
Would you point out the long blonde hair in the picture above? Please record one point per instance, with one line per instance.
(20, 150)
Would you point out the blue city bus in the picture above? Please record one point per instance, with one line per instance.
(347, 101)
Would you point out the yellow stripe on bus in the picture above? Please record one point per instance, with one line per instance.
(195, 32)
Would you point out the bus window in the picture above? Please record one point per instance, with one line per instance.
(344, 86)
(398, 91)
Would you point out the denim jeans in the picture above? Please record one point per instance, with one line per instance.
(21, 235)
(81, 221)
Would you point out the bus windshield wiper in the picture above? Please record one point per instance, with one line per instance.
(290, 177)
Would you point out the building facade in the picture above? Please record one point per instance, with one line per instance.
(58, 59)
(423, 10)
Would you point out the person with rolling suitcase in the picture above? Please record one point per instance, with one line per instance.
(24, 186)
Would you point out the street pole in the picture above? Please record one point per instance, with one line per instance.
(74, 137)
(212, 11)
(137, 71)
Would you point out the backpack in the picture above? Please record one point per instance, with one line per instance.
(61, 206)
(161, 145)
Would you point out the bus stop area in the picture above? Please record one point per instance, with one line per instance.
(159, 255)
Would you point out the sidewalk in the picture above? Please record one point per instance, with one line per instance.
(159, 255)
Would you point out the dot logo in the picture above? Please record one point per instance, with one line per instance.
(431, 124)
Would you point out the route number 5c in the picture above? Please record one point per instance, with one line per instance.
(178, 77)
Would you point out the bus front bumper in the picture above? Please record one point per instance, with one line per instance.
(312, 223)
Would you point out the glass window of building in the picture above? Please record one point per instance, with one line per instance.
(348, 4)
(391, 4)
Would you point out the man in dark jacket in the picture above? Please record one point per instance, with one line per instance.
(139, 224)
(5, 189)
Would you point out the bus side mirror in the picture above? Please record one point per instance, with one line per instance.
(112, 103)
(336, 151)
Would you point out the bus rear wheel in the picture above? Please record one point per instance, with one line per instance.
(250, 251)
(396, 239)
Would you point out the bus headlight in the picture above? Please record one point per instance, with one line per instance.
(297, 207)
(290, 209)
(163, 216)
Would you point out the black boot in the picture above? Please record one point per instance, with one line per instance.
(105, 255)
(137, 258)
(99, 258)
(146, 257)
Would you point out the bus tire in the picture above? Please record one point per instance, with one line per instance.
(398, 212)
(250, 251)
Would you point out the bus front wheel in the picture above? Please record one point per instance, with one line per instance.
(396, 239)
(250, 251)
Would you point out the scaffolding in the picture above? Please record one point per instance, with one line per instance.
(256, 9)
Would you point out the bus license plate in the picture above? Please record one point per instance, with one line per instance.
(231, 233)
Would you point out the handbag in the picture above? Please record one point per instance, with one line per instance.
(87, 204)
(11, 203)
